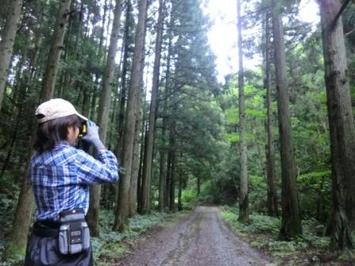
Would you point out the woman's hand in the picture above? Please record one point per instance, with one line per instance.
(92, 136)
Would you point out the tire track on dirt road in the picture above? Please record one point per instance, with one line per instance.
(202, 238)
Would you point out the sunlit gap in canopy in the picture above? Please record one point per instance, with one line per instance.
(222, 35)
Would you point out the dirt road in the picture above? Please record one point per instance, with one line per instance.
(200, 239)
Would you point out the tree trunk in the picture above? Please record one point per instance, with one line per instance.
(24, 208)
(130, 127)
(172, 167)
(19, 95)
(272, 205)
(104, 114)
(106, 95)
(172, 206)
(57, 46)
(291, 221)
(139, 181)
(168, 180)
(136, 162)
(163, 152)
(198, 186)
(7, 42)
(243, 193)
(16, 246)
(180, 190)
(17, 243)
(124, 79)
(148, 155)
(341, 124)
(163, 166)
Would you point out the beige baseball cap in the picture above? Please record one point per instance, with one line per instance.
(55, 108)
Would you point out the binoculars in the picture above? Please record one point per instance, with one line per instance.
(83, 129)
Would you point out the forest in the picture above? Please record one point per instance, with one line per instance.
(273, 144)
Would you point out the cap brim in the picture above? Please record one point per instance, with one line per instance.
(82, 117)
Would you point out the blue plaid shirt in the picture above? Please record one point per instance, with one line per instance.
(61, 177)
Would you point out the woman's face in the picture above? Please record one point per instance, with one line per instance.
(73, 133)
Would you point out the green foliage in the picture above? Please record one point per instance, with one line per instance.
(232, 137)
(314, 234)
(264, 224)
(140, 223)
(111, 252)
(263, 231)
(232, 116)
(230, 215)
(208, 192)
(257, 193)
(8, 194)
(315, 196)
(189, 196)
(347, 255)
(13, 254)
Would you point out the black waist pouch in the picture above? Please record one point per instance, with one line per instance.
(74, 233)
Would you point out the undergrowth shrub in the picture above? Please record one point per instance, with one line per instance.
(263, 232)
(189, 197)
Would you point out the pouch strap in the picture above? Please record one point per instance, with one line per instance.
(72, 215)
(46, 229)
(74, 211)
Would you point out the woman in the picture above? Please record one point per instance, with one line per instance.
(60, 175)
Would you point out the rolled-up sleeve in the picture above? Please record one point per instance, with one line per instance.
(104, 169)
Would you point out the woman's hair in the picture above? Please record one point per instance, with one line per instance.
(51, 133)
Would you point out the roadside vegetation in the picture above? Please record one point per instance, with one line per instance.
(312, 248)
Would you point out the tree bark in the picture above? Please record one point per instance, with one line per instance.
(133, 94)
(162, 179)
(172, 166)
(163, 152)
(25, 202)
(18, 238)
(291, 221)
(148, 155)
(341, 125)
(7, 42)
(243, 193)
(124, 79)
(272, 205)
(180, 189)
(168, 181)
(16, 246)
(57, 46)
(106, 94)
(136, 162)
(104, 114)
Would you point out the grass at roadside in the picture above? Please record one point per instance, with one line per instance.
(312, 248)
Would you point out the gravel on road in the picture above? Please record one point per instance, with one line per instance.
(202, 238)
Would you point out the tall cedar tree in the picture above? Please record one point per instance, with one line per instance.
(148, 156)
(272, 204)
(243, 189)
(163, 193)
(18, 239)
(7, 42)
(341, 123)
(291, 220)
(104, 112)
(55, 51)
(131, 113)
